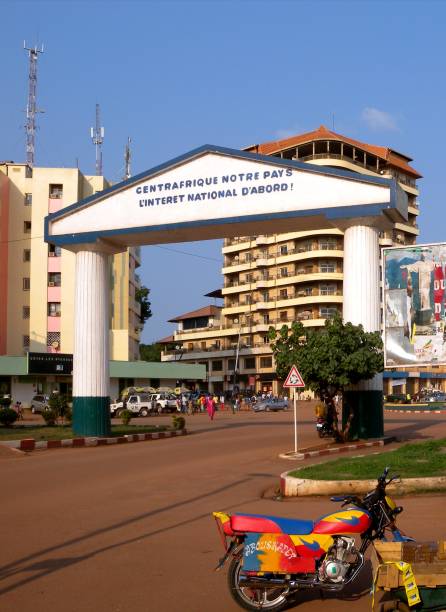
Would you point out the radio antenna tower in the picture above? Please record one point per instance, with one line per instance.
(31, 108)
(97, 136)
(127, 158)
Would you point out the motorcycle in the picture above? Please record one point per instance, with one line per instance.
(323, 428)
(272, 558)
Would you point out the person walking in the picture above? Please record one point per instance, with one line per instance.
(210, 407)
(222, 401)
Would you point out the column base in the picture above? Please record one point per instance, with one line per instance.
(91, 416)
(368, 420)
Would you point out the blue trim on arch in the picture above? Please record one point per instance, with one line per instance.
(395, 196)
(341, 212)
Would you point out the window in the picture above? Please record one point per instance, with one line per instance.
(250, 363)
(25, 342)
(54, 279)
(266, 319)
(27, 227)
(56, 191)
(28, 199)
(283, 315)
(265, 339)
(203, 346)
(231, 365)
(328, 289)
(283, 249)
(266, 362)
(283, 294)
(217, 366)
(53, 340)
(190, 346)
(329, 244)
(248, 278)
(25, 312)
(26, 254)
(26, 283)
(283, 272)
(327, 312)
(327, 266)
(54, 309)
(54, 251)
(196, 323)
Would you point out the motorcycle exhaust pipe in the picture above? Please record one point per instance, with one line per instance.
(259, 582)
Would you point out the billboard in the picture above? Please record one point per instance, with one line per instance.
(415, 305)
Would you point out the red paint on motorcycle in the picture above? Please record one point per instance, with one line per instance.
(243, 523)
(344, 522)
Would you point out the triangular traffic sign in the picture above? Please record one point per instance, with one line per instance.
(294, 379)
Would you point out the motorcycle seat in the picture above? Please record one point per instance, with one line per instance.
(260, 523)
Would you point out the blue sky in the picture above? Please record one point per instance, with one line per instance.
(176, 75)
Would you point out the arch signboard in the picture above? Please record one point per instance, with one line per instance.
(211, 192)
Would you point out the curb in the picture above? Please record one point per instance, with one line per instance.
(290, 486)
(300, 456)
(415, 411)
(29, 444)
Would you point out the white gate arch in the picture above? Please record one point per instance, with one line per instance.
(215, 192)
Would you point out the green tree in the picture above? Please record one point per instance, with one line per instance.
(142, 297)
(329, 359)
(150, 352)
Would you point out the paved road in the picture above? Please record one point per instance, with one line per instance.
(128, 529)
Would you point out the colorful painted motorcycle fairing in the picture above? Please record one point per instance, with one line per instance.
(345, 522)
(259, 523)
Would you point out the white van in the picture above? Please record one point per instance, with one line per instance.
(140, 405)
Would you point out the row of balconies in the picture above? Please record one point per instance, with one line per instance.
(264, 258)
(309, 269)
(249, 301)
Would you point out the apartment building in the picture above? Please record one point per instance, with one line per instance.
(274, 280)
(37, 279)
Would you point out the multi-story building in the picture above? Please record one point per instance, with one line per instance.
(274, 280)
(37, 279)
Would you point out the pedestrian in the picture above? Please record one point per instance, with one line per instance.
(190, 407)
(222, 401)
(210, 407)
(202, 403)
(183, 404)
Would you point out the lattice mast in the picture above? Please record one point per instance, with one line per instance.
(127, 158)
(97, 136)
(31, 107)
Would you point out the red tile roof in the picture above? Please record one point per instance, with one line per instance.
(390, 156)
(206, 311)
(166, 340)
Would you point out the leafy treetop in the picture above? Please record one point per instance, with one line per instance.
(328, 359)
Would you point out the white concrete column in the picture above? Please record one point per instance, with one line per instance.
(91, 344)
(362, 299)
(361, 277)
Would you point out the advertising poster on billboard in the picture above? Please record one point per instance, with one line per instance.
(414, 305)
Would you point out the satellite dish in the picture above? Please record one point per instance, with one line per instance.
(55, 344)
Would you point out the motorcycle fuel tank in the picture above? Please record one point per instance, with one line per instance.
(353, 520)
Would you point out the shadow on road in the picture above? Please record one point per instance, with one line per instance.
(51, 565)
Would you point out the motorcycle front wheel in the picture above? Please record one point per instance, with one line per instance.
(272, 599)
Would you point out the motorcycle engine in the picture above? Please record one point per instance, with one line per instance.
(338, 560)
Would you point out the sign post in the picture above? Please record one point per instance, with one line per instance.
(294, 381)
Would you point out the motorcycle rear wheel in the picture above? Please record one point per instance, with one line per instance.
(273, 599)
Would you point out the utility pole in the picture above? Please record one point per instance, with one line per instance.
(127, 158)
(97, 136)
(31, 108)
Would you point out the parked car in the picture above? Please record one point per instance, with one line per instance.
(437, 397)
(270, 405)
(164, 402)
(39, 403)
(140, 405)
(398, 398)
